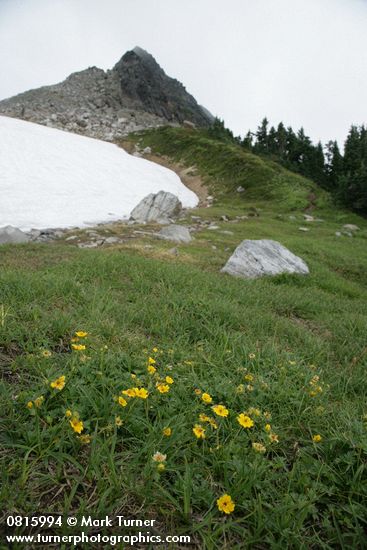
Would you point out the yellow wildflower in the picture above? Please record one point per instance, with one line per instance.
(267, 428)
(151, 361)
(151, 369)
(68, 413)
(59, 383)
(77, 425)
(292, 363)
(141, 392)
(199, 431)
(78, 347)
(220, 410)
(245, 421)
(130, 392)
(85, 439)
(167, 432)
(161, 467)
(197, 391)
(169, 380)
(133, 376)
(122, 401)
(251, 356)
(38, 402)
(225, 504)
(81, 334)
(29, 404)
(204, 418)
(159, 457)
(316, 438)
(206, 398)
(249, 387)
(249, 377)
(118, 421)
(259, 447)
(267, 415)
(155, 350)
(213, 423)
(74, 340)
(162, 388)
(46, 353)
(240, 388)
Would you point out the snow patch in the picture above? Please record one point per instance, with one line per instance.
(52, 178)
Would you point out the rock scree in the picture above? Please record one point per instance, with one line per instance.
(257, 258)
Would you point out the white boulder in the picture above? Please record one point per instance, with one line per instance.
(253, 259)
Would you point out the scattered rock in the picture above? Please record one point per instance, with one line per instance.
(213, 227)
(351, 227)
(112, 240)
(338, 234)
(174, 251)
(93, 244)
(240, 189)
(305, 229)
(147, 151)
(253, 259)
(176, 233)
(158, 207)
(188, 124)
(226, 232)
(292, 218)
(224, 218)
(12, 235)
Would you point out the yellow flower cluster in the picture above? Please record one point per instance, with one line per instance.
(59, 383)
(316, 387)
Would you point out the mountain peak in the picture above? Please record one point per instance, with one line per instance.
(134, 95)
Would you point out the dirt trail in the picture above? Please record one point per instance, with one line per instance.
(188, 175)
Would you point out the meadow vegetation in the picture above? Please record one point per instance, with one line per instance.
(139, 383)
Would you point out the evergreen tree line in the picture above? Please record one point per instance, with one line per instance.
(344, 175)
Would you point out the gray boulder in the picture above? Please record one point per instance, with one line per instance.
(176, 233)
(253, 259)
(158, 207)
(12, 235)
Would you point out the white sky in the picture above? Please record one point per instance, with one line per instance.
(300, 61)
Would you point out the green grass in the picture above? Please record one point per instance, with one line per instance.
(251, 344)
(227, 166)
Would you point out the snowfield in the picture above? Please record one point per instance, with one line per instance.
(50, 178)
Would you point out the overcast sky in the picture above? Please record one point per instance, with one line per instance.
(300, 61)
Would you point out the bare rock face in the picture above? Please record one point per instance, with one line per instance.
(160, 207)
(175, 233)
(134, 95)
(12, 235)
(253, 259)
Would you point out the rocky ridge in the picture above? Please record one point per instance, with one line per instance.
(134, 95)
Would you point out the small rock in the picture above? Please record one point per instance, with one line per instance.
(308, 218)
(240, 189)
(176, 233)
(303, 229)
(12, 235)
(338, 234)
(224, 218)
(147, 151)
(213, 227)
(88, 245)
(351, 227)
(71, 238)
(226, 232)
(174, 251)
(112, 240)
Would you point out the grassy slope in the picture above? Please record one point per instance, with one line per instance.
(227, 166)
(131, 299)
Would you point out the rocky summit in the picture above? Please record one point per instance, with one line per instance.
(134, 95)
